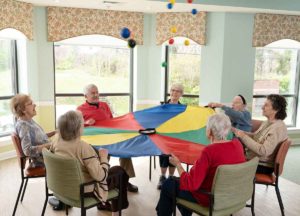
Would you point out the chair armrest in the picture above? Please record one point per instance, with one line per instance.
(205, 192)
(51, 134)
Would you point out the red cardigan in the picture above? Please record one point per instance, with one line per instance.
(100, 113)
(202, 173)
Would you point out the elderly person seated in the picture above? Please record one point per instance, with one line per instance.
(176, 92)
(94, 111)
(32, 136)
(240, 117)
(201, 175)
(264, 142)
(95, 165)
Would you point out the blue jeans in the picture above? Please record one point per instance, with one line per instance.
(165, 204)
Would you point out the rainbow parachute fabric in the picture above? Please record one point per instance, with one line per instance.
(179, 129)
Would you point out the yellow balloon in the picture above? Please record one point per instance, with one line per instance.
(173, 29)
(172, 1)
(186, 42)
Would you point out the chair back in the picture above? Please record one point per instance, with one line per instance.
(233, 184)
(63, 175)
(255, 124)
(281, 155)
(18, 147)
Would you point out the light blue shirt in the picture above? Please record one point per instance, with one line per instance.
(239, 119)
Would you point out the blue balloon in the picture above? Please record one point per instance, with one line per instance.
(169, 5)
(194, 11)
(125, 33)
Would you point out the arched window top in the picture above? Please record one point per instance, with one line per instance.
(284, 43)
(11, 33)
(101, 40)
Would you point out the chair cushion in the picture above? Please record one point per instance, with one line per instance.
(88, 201)
(35, 171)
(205, 211)
(265, 178)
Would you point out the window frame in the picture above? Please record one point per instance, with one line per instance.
(295, 95)
(166, 81)
(14, 74)
(130, 93)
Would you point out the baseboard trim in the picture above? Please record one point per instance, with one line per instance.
(7, 155)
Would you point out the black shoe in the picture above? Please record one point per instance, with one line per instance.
(132, 188)
(56, 204)
(162, 179)
(106, 206)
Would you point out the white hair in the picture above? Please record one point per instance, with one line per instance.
(88, 88)
(220, 125)
(178, 86)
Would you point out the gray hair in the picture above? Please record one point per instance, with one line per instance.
(69, 125)
(220, 125)
(88, 88)
(178, 86)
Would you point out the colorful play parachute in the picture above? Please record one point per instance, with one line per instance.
(165, 129)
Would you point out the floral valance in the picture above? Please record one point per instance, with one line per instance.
(66, 23)
(186, 25)
(272, 27)
(17, 15)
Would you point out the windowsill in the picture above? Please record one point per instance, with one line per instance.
(293, 130)
(5, 140)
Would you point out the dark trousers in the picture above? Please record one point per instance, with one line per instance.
(264, 170)
(165, 204)
(114, 182)
(164, 161)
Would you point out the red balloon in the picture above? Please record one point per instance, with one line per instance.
(190, 1)
(171, 41)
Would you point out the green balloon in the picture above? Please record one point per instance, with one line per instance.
(164, 64)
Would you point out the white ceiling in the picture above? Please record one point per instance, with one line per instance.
(148, 6)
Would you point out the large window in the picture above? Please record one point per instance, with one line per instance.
(277, 72)
(8, 83)
(101, 60)
(183, 66)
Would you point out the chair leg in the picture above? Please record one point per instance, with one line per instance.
(46, 199)
(253, 199)
(150, 167)
(83, 211)
(17, 201)
(25, 186)
(279, 200)
(154, 161)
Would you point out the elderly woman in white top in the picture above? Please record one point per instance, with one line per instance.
(176, 92)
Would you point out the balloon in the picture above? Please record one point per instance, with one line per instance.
(164, 64)
(172, 1)
(125, 33)
(194, 11)
(190, 1)
(169, 5)
(131, 43)
(173, 29)
(186, 42)
(171, 41)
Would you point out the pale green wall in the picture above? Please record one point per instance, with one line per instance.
(227, 67)
(149, 57)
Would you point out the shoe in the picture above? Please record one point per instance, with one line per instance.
(53, 201)
(132, 188)
(56, 204)
(162, 179)
(106, 206)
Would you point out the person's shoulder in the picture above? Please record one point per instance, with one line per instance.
(81, 106)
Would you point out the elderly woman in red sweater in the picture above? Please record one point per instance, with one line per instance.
(201, 175)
